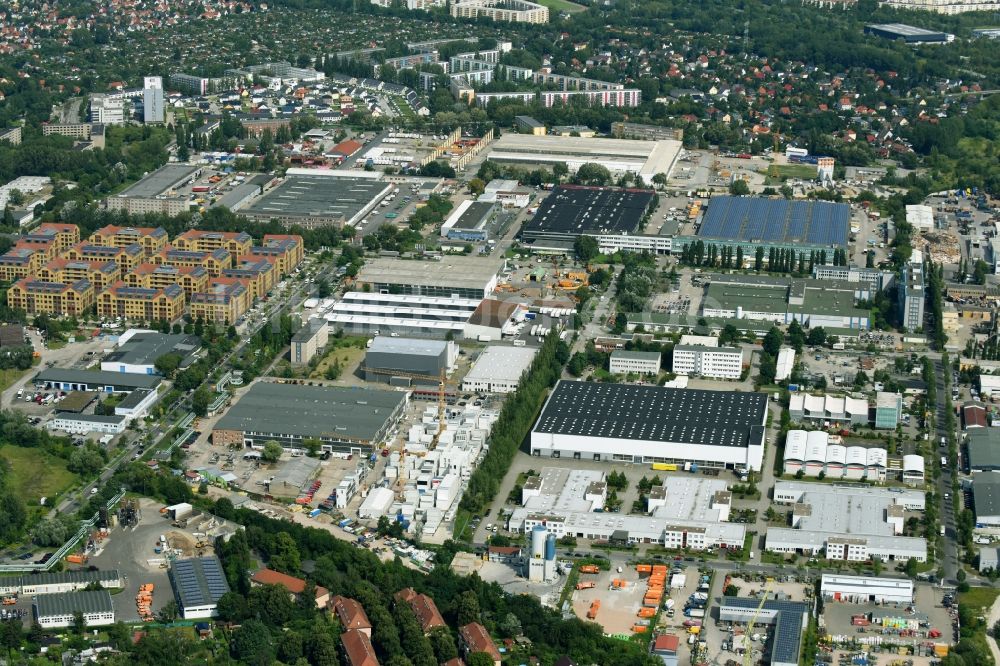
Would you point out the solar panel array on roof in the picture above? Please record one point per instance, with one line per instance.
(752, 219)
(654, 413)
(787, 616)
(198, 581)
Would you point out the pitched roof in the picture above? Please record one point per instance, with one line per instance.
(291, 583)
(359, 648)
(477, 639)
(666, 642)
(351, 614)
(423, 607)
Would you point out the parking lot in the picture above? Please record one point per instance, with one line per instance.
(837, 617)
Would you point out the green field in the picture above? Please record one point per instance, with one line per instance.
(978, 598)
(36, 474)
(9, 376)
(562, 6)
(800, 171)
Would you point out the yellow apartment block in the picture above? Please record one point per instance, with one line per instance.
(55, 298)
(101, 274)
(149, 239)
(191, 279)
(237, 243)
(224, 302)
(214, 262)
(20, 262)
(259, 275)
(127, 257)
(287, 249)
(141, 304)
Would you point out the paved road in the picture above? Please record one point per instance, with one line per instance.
(949, 558)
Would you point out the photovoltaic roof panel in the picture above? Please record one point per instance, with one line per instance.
(749, 219)
(654, 413)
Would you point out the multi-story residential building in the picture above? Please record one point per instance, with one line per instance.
(60, 236)
(309, 340)
(20, 262)
(257, 273)
(81, 131)
(43, 245)
(512, 11)
(626, 98)
(140, 303)
(151, 240)
(152, 100)
(224, 302)
(101, 274)
(287, 250)
(191, 279)
(11, 135)
(237, 243)
(126, 257)
(911, 296)
(708, 361)
(214, 261)
(56, 298)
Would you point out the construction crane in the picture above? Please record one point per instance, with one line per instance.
(442, 382)
(748, 651)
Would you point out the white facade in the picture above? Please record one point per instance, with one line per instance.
(499, 369)
(81, 424)
(152, 100)
(785, 363)
(643, 363)
(812, 454)
(865, 590)
(57, 611)
(106, 110)
(715, 362)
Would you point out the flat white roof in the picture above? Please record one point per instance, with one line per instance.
(645, 158)
(501, 363)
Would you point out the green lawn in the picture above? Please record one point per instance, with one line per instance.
(11, 375)
(800, 171)
(978, 598)
(562, 6)
(36, 474)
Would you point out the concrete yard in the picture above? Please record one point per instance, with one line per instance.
(618, 608)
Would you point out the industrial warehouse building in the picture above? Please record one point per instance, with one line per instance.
(865, 590)
(826, 303)
(908, 33)
(848, 523)
(365, 313)
(59, 582)
(651, 424)
(312, 199)
(470, 221)
(983, 445)
(986, 497)
(348, 420)
(198, 584)
(803, 407)
(53, 611)
(494, 319)
(393, 360)
(812, 454)
(572, 211)
(137, 351)
(94, 380)
(499, 369)
(789, 619)
(450, 276)
(619, 156)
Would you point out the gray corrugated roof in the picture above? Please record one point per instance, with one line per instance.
(984, 449)
(98, 378)
(145, 348)
(84, 577)
(198, 581)
(986, 493)
(68, 603)
(636, 355)
(389, 345)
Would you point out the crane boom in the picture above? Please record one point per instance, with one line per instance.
(748, 651)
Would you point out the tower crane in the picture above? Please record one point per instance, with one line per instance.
(764, 594)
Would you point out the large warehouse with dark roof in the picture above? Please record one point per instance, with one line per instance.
(651, 424)
(572, 211)
(752, 222)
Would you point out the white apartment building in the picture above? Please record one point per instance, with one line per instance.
(643, 363)
(708, 360)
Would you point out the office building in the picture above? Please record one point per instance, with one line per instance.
(647, 424)
(708, 360)
(366, 313)
(348, 420)
(429, 359)
(309, 341)
(53, 298)
(812, 303)
(57, 611)
(911, 296)
(82, 424)
(105, 110)
(498, 369)
(198, 584)
(888, 409)
(156, 193)
(624, 362)
(849, 523)
(139, 304)
(152, 100)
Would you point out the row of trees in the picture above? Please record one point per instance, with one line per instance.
(778, 260)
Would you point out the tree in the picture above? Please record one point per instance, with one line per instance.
(285, 554)
(510, 626)
(772, 341)
(200, 400)
(232, 607)
(593, 174)
(251, 644)
(796, 336)
(169, 612)
(467, 608)
(476, 186)
(911, 568)
(586, 248)
(817, 336)
(739, 188)
(272, 451)
(167, 364)
(79, 623)
(479, 659)
(323, 289)
(559, 170)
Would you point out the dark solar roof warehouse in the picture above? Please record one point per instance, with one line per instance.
(751, 219)
(572, 210)
(198, 581)
(654, 413)
(786, 641)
